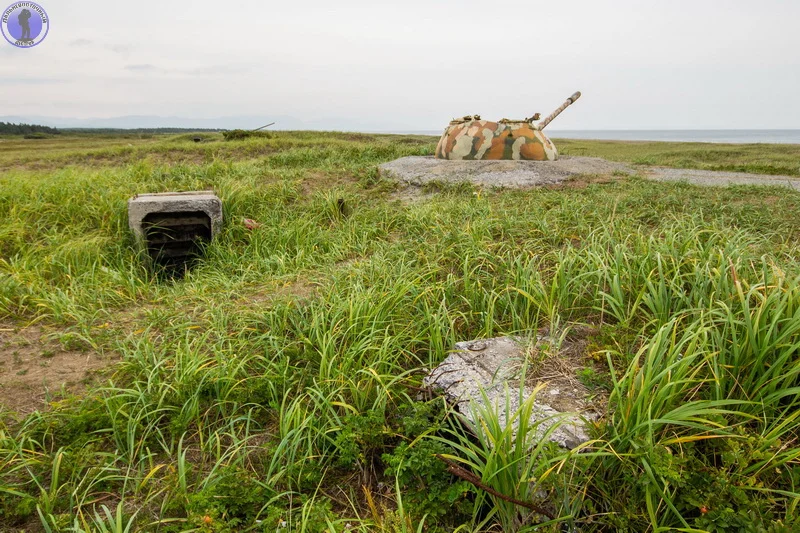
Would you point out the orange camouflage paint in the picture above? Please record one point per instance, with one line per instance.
(482, 139)
(473, 138)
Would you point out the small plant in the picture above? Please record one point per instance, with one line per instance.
(361, 439)
(72, 341)
(239, 135)
(117, 522)
(428, 488)
(507, 452)
(234, 497)
(592, 379)
(334, 207)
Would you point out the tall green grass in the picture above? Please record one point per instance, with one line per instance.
(279, 382)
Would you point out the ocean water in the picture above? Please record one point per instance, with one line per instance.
(705, 136)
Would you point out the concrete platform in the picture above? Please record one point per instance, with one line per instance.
(419, 170)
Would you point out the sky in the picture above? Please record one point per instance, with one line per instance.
(414, 65)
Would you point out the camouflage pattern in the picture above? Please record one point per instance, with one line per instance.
(482, 139)
(473, 138)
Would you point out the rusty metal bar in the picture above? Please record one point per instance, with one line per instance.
(543, 124)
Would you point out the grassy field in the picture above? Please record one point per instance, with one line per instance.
(278, 384)
(780, 159)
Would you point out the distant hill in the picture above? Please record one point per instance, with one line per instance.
(153, 122)
(148, 122)
(100, 131)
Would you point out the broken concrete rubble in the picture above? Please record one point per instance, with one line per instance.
(492, 367)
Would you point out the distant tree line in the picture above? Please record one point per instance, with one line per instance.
(25, 129)
(138, 130)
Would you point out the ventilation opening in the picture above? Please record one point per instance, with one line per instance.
(175, 240)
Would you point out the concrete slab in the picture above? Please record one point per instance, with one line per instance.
(419, 170)
(494, 366)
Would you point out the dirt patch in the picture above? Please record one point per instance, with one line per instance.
(582, 182)
(558, 370)
(317, 181)
(755, 201)
(410, 195)
(295, 290)
(36, 367)
(202, 155)
(179, 158)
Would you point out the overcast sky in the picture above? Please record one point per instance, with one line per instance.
(415, 64)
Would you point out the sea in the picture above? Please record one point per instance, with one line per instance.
(703, 136)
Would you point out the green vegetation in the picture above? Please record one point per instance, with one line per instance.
(278, 385)
(129, 131)
(780, 159)
(238, 135)
(26, 129)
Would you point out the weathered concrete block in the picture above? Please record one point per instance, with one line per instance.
(172, 227)
(494, 366)
(143, 205)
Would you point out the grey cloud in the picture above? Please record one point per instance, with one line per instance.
(119, 49)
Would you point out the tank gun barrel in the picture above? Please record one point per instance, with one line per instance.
(543, 124)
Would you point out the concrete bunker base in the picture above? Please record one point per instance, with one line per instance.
(173, 227)
(420, 170)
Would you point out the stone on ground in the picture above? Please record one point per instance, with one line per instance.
(489, 369)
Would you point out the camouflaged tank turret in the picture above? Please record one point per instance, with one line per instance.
(473, 138)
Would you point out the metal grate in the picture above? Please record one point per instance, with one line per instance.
(175, 239)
